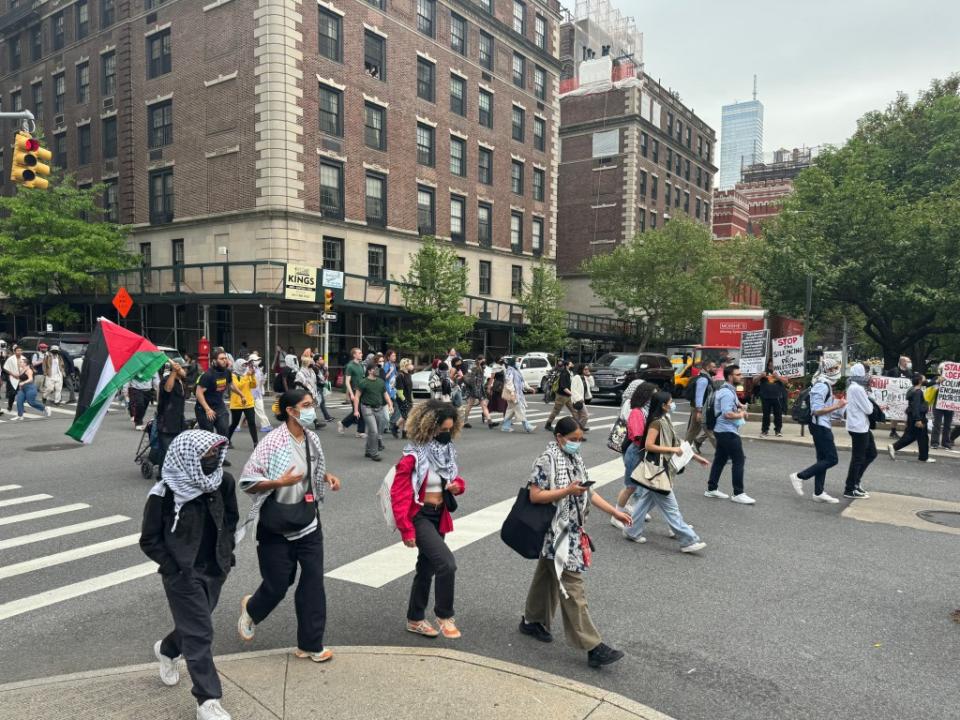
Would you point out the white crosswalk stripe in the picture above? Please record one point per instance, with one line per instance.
(4, 488)
(61, 531)
(36, 514)
(25, 499)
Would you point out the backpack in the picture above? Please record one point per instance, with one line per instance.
(555, 385)
(278, 380)
(384, 499)
(690, 391)
(710, 408)
(876, 415)
(498, 381)
(802, 412)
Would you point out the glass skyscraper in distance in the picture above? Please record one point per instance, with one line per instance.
(741, 139)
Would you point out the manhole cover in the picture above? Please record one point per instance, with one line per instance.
(941, 517)
(54, 446)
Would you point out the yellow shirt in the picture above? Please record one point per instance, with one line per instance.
(246, 383)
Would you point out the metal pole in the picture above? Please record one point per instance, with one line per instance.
(176, 334)
(806, 328)
(844, 360)
(206, 321)
(326, 342)
(267, 351)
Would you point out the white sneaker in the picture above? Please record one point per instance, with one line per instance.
(824, 498)
(139, 428)
(245, 625)
(47, 412)
(212, 710)
(640, 539)
(892, 452)
(797, 483)
(169, 667)
(929, 460)
(694, 547)
(17, 418)
(671, 534)
(716, 494)
(616, 523)
(340, 428)
(743, 499)
(647, 518)
(361, 435)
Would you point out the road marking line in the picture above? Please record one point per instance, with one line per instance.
(9, 487)
(24, 499)
(67, 556)
(61, 531)
(23, 517)
(61, 411)
(383, 566)
(75, 590)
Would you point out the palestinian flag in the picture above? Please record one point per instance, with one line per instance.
(114, 357)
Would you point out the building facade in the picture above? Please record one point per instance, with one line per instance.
(741, 139)
(235, 136)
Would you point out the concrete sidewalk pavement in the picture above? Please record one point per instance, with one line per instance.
(375, 683)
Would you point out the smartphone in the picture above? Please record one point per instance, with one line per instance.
(588, 483)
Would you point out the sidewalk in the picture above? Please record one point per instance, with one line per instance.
(791, 436)
(374, 683)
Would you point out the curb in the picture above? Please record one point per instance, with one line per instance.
(804, 442)
(625, 704)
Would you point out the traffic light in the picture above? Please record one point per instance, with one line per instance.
(30, 166)
(327, 300)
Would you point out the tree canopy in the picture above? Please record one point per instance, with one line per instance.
(433, 291)
(542, 300)
(877, 225)
(664, 279)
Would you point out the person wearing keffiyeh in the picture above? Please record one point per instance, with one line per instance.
(426, 473)
(188, 530)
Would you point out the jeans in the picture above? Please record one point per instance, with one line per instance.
(826, 457)
(435, 565)
(631, 459)
(350, 419)
(251, 416)
(220, 423)
(28, 393)
(375, 422)
(942, 420)
(729, 448)
(646, 499)
(774, 406)
(518, 412)
(864, 452)
(192, 597)
(322, 403)
(278, 559)
(913, 433)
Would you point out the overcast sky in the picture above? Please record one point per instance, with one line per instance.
(821, 64)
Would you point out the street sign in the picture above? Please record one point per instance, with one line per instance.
(329, 317)
(49, 327)
(122, 302)
(332, 279)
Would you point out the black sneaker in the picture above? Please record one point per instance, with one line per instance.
(603, 655)
(548, 427)
(894, 435)
(375, 458)
(535, 630)
(226, 463)
(856, 494)
(467, 426)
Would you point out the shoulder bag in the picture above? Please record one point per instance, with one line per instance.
(288, 518)
(617, 439)
(527, 524)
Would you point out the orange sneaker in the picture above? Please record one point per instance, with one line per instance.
(422, 627)
(317, 657)
(449, 628)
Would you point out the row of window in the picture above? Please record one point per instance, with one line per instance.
(330, 46)
(58, 27)
(331, 109)
(674, 161)
(684, 136)
(671, 195)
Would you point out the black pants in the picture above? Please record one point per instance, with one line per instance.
(826, 457)
(942, 422)
(434, 561)
(251, 416)
(323, 406)
(192, 598)
(11, 395)
(219, 425)
(864, 451)
(139, 400)
(913, 433)
(350, 419)
(774, 406)
(729, 448)
(278, 558)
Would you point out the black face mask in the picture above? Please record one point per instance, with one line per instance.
(209, 465)
(445, 437)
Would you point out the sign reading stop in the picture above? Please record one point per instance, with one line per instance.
(122, 302)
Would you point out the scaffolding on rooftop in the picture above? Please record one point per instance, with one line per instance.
(626, 40)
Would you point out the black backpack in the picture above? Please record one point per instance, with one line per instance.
(876, 415)
(278, 386)
(690, 391)
(709, 406)
(802, 412)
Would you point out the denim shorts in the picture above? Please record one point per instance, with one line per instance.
(631, 459)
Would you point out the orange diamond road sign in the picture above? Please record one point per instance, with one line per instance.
(122, 302)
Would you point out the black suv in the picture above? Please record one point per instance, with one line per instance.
(613, 372)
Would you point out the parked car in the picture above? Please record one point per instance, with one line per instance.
(613, 372)
(73, 343)
(534, 367)
(173, 354)
(421, 378)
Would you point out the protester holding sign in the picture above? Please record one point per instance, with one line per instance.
(753, 352)
(945, 401)
(916, 425)
(771, 388)
(787, 356)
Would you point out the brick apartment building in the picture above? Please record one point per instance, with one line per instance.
(633, 156)
(234, 136)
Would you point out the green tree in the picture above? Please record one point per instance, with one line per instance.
(433, 291)
(663, 279)
(876, 223)
(51, 240)
(546, 320)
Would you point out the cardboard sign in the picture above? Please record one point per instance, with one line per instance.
(300, 283)
(787, 354)
(753, 352)
(891, 395)
(948, 397)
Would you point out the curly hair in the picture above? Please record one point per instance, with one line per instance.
(426, 417)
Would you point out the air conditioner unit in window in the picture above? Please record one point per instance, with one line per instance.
(108, 103)
(110, 165)
(58, 120)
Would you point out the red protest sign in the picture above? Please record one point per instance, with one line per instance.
(122, 302)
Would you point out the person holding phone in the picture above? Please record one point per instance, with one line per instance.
(560, 477)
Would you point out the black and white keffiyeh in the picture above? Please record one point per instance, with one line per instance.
(442, 458)
(182, 473)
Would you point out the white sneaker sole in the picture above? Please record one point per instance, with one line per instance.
(828, 500)
(696, 547)
(246, 637)
(161, 659)
(797, 484)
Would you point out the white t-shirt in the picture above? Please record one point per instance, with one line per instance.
(55, 373)
(294, 493)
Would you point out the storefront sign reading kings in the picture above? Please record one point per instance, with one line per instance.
(300, 283)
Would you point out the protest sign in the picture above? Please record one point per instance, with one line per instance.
(787, 356)
(948, 397)
(891, 395)
(753, 352)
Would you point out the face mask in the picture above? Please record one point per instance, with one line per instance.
(673, 407)
(739, 422)
(571, 447)
(307, 417)
(909, 366)
(209, 465)
(444, 437)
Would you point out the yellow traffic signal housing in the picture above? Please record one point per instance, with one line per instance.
(327, 300)
(29, 167)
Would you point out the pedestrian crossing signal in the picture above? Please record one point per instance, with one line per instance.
(30, 167)
(327, 300)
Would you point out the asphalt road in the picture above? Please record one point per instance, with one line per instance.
(792, 611)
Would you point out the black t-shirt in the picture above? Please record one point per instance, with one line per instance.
(170, 408)
(215, 383)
